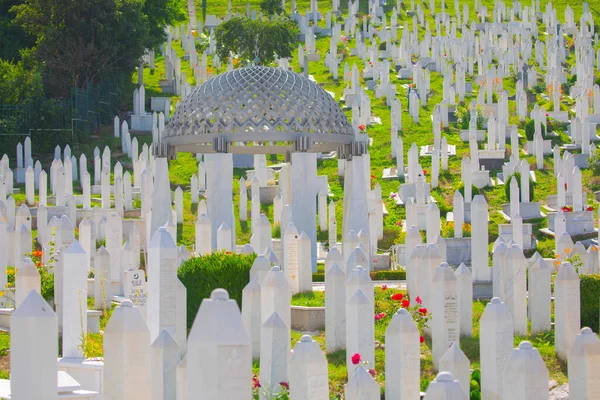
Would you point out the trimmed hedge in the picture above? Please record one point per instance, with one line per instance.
(375, 275)
(590, 301)
(201, 275)
(517, 176)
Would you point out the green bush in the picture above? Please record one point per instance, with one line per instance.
(201, 275)
(530, 130)
(594, 164)
(375, 275)
(590, 301)
(474, 190)
(517, 175)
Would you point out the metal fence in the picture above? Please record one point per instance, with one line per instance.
(72, 119)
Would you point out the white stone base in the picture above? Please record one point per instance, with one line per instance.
(481, 179)
(526, 210)
(141, 123)
(89, 374)
(93, 317)
(578, 222)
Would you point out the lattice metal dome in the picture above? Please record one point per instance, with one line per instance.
(258, 110)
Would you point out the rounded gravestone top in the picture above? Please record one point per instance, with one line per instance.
(402, 311)
(127, 303)
(219, 294)
(495, 300)
(306, 339)
(257, 105)
(525, 345)
(444, 377)
(587, 331)
(275, 268)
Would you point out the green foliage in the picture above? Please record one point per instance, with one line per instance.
(271, 7)
(12, 37)
(475, 386)
(474, 190)
(375, 275)
(463, 117)
(89, 40)
(19, 83)
(309, 299)
(590, 301)
(201, 275)
(530, 130)
(517, 176)
(390, 233)
(249, 40)
(594, 164)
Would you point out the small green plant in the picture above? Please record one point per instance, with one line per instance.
(463, 117)
(137, 203)
(594, 164)
(201, 275)
(475, 385)
(530, 130)
(517, 176)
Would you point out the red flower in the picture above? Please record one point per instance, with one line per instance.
(590, 208)
(546, 114)
(393, 195)
(373, 373)
(380, 316)
(356, 358)
(399, 223)
(424, 172)
(397, 296)
(285, 385)
(383, 287)
(228, 252)
(39, 264)
(255, 382)
(405, 303)
(373, 177)
(565, 186)
(362, 127)
(418, 300)
(37, 253)
(567, 209)
(422, 339)
(423, 310)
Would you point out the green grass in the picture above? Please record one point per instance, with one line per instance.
(309, 299)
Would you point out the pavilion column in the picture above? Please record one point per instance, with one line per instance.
(161, 196)
(356, 210)
(304, 197)
(219, 188)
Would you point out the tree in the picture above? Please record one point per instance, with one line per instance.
(89, 40)
(12, 36)
(260, 39)
(272, 7)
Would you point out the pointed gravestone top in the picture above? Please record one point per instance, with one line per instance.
(35, 306)
(162, 239)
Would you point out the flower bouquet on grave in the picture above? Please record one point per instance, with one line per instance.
(568, 256)
(282, 392)
(358, 361)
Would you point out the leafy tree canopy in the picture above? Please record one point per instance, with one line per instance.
(271, 7)
(88, 40)
(12, 36)
(260, 39)
(18, 83)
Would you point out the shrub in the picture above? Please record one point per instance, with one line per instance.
(590, 300)
(375, 275)
(517, 175)
(201, 275)
(530, 130)
(594, 164)
(474, 190)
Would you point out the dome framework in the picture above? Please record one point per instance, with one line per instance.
(258, 110)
